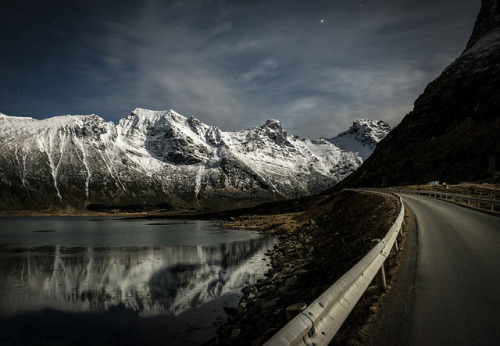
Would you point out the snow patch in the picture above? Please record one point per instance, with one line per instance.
(165, 151)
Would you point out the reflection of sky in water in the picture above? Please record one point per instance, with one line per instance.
(100, 266)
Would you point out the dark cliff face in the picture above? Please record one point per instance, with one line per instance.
(487, 21)
(455, 124)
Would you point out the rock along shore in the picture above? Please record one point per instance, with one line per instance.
(322, 243)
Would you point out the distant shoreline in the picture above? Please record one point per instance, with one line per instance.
(73, 213)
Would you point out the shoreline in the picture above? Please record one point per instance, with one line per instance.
(76, 213)
(311, 255)
(481, 190)
(320, 239)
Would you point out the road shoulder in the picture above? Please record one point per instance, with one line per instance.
(389, 321)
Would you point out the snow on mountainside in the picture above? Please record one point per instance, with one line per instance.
(162, 157)
(362, 137)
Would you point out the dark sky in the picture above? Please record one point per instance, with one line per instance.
(315, 65)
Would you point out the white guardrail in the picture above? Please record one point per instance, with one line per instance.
(320, 321)
(476, 202)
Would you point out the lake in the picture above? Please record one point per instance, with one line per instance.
(81, 280)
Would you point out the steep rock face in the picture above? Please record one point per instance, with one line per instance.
(454, 126)
(162, 157)
(487, 21)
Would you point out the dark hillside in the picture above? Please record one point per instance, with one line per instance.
(454, 127)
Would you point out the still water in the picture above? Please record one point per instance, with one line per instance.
(94, 281)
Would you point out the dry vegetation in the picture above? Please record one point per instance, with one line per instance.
(490, 191)
(321, 239)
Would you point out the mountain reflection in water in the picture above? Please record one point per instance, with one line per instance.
(148, 280)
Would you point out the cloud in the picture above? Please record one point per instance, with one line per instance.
(158, 62)
(264, 70)
(235, 63)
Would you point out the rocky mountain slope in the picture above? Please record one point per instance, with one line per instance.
(452, 133)
(163, 158)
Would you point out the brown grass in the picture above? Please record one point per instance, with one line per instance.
(335, 231)
(489, 191)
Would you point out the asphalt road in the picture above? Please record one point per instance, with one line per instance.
(448, 288)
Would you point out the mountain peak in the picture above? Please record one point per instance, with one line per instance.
(161, 157)
(273, 124)
(150, 114)
(369, 124)
(487, 21)
(368, 132)
(5, 116)
(362, 136)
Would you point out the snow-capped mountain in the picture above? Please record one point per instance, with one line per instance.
(362, 137)
(162, 157)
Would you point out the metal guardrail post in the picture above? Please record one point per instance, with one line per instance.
(380, 277)
(395, 247)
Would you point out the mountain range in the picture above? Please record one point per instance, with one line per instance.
(163, 159)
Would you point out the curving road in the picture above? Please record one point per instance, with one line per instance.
(448, 291)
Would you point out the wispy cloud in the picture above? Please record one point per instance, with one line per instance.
(315, 65)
